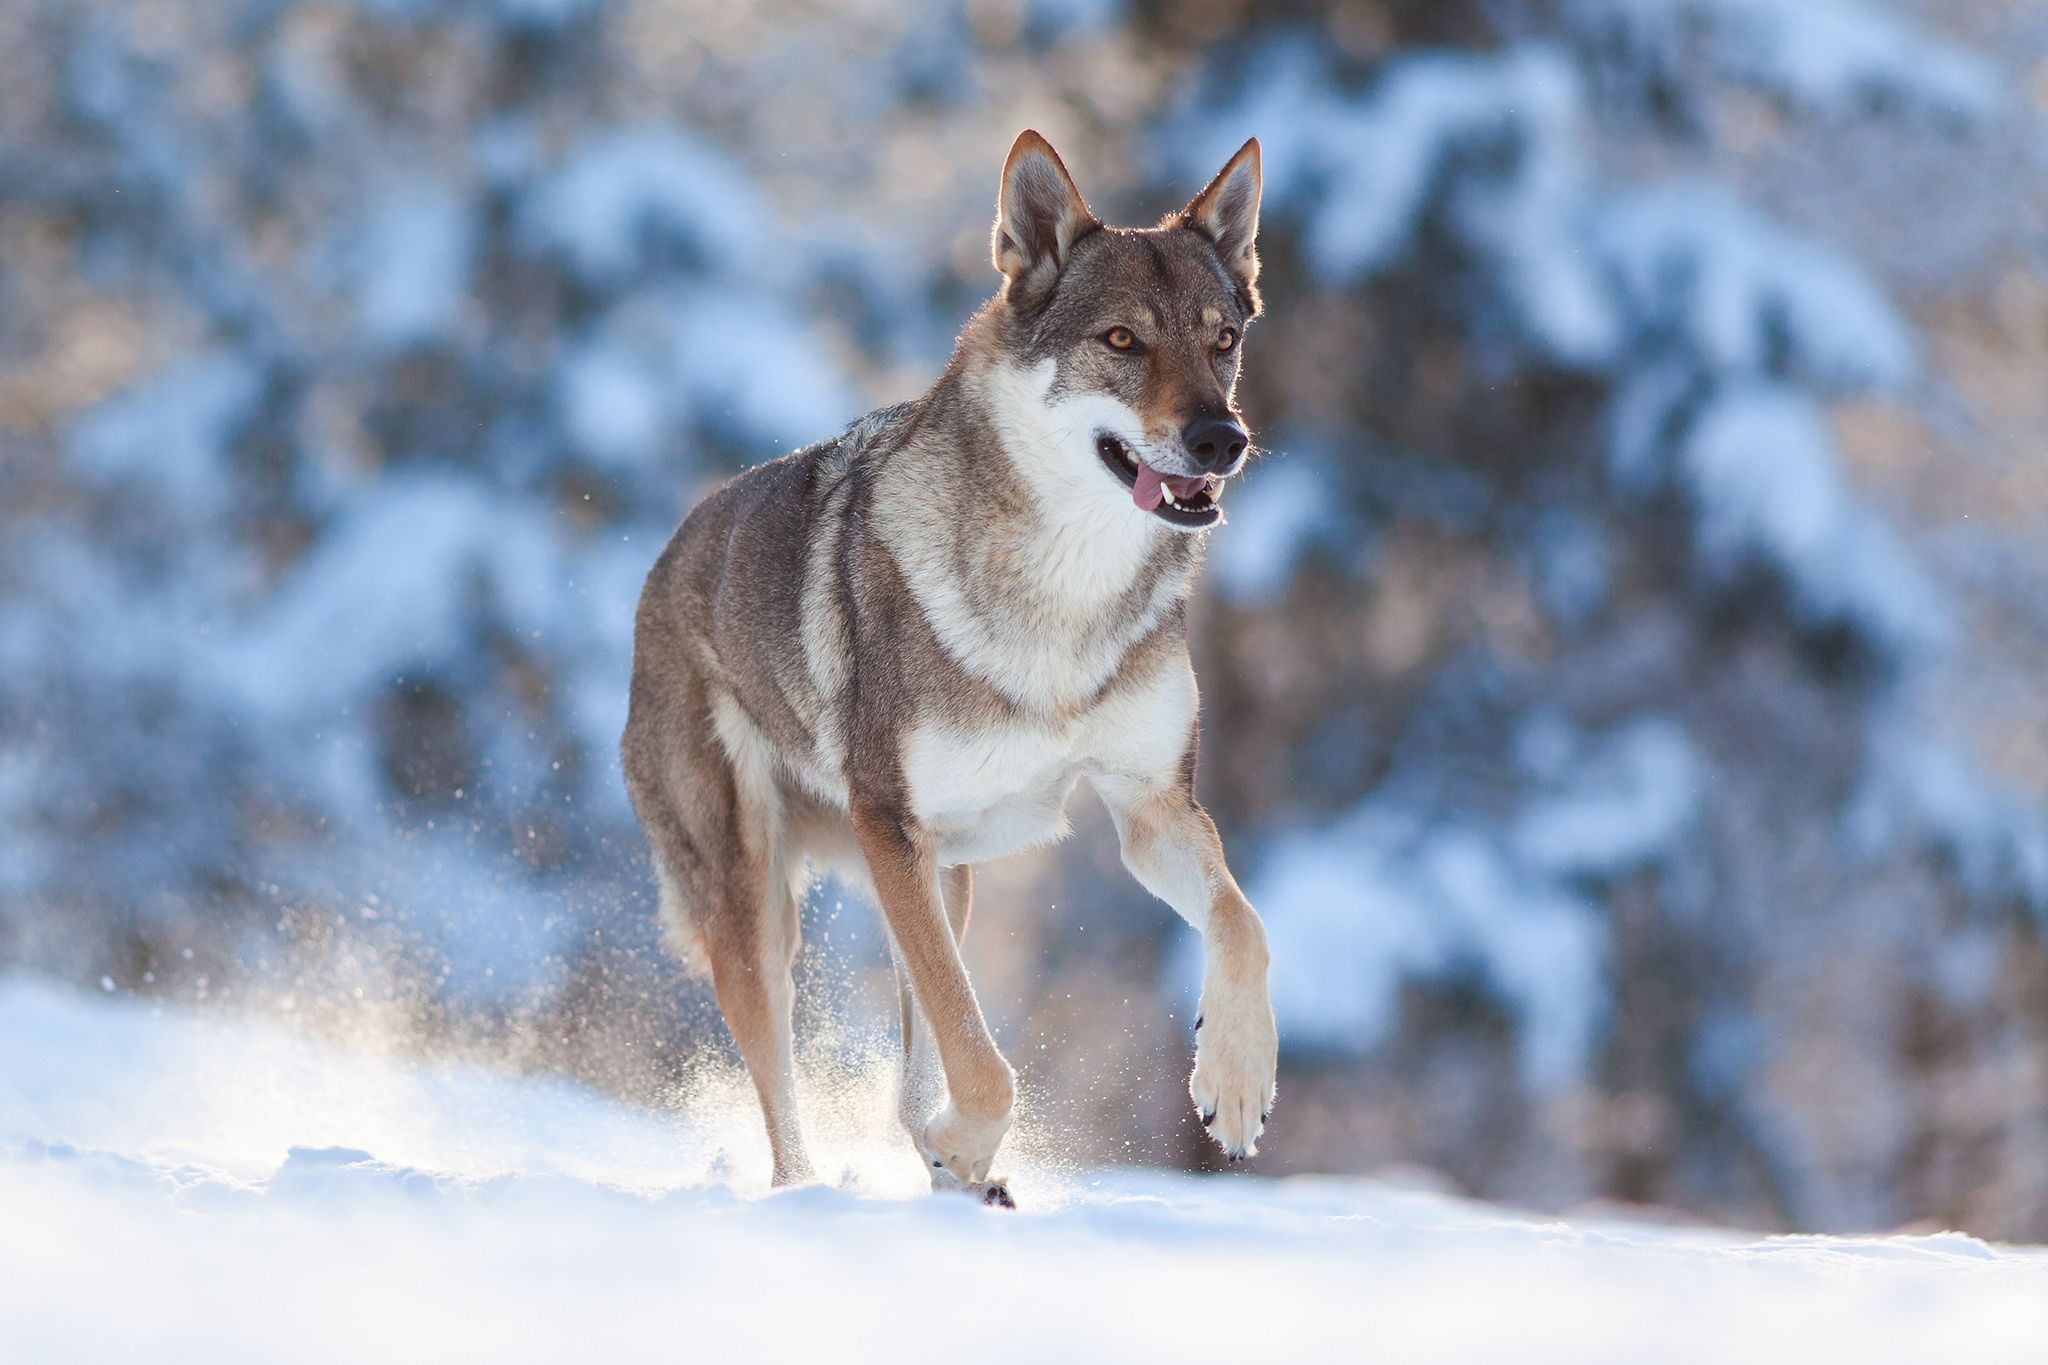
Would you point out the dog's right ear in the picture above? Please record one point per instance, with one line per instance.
(1039, 216)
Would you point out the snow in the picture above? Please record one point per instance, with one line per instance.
(1611, 805)
(614, 404)
(168, 436)
(543, 15)
(392, 590)
(1832, 57)
(1362, 172)
(1921, 783)
(1390, 896)
(715, 354)
(1572, 562)
(415, 255)
(1767, 485)
(235, 1191)
(1692, 265)
(384, 593)
(627, 197)
(756, 372)
(1495, 148)
(1284, 509)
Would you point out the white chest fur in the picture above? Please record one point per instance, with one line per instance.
(986, 790)
(1061, 631)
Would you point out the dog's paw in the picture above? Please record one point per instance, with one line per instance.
(994, 1192)
(960, 1148)
(1237, 1051)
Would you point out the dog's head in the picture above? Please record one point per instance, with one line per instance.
(1143, 328)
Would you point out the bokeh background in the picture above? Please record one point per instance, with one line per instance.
(1626, 678)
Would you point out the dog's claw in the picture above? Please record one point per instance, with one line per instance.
(1208, 1117)
(997, 1196)
(1198, 1023)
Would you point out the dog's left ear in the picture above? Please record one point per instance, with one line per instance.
(1039, 216)
(1227, 212)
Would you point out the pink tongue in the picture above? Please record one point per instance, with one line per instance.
(1146, 491)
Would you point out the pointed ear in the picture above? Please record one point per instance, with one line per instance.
(1039, 215)
(1227, 212)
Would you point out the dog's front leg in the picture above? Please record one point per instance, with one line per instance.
(1171, 846)
(961, 1140)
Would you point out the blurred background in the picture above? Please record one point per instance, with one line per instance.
(1624, 681)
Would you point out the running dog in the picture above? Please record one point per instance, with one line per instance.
(896, 652)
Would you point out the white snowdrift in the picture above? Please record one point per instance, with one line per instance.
(185, 1187)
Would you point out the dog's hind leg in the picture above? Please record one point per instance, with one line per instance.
(751, 933)
(752, 946)
(728, 889)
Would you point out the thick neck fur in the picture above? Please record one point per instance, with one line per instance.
(1034, 566)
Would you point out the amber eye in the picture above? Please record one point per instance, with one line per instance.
(1119, 338)
(1228, 341)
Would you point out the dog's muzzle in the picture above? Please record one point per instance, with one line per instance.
(1186, 502)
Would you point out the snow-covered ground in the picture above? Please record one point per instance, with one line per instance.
(184, 1186)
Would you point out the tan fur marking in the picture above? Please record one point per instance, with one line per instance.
(922, 1087)
(982, 1090)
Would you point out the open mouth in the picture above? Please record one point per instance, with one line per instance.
(1185, 501)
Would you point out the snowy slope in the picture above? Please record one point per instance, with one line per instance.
(176, 1186)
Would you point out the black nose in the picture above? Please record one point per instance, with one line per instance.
(1214, 442)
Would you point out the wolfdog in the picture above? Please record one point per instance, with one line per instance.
(894, 653)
